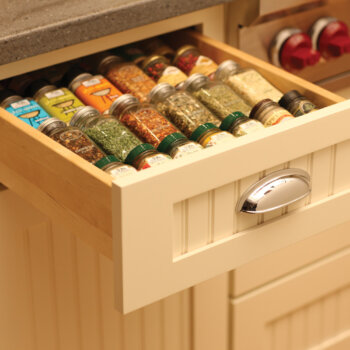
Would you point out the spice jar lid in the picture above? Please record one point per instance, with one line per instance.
(102, 67)
(120, 103)
(39, 87)
(84, 112)
(73, 74)
(230, 119)
(166, 143)
(195, 81)
(5, 94)
(151, 59)
(101, 163)
(137, 151)
(289, 97)
(159, 90)
(50, 124)
(226, 68)
(202, 129)
(262, 104)
(181, 50)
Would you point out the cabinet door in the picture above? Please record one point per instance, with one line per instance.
(309, 309)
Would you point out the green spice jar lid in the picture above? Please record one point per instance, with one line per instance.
(230, 119)
(166, 143)
(120, 103)
(101, 163)
(50, 124)
(200, 130)
(195, 82)
(84, 112)
(226, 68)
(137, 151)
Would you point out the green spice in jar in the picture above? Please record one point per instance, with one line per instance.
(181, 108)
(209, 135)
(247, 83)
(296, 103)
(216, 96)
(71, 138)
(270, 113)
(239, 124)
(114, 167)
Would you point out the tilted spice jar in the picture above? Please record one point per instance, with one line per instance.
(60, 103)
(181, 108)
(127, 76)
(95, 91)
(209, 135)
(148, 124)
(160, 71)
(216, 96)
(296, 103)
(247, 82)
(72, 138)
(270, 113)
(115, 138)
(239, 124)
(114, 167)
(156, 46)
(190, 61)
(25, 109)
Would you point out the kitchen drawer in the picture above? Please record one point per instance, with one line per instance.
(171, 227)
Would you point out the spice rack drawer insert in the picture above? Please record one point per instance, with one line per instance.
(170, 227)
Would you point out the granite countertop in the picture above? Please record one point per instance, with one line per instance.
(32, 27)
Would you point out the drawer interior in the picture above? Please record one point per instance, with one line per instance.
(194, 196)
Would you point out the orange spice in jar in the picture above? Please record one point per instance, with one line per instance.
(127, 76)
(270, 113)
(95, 91)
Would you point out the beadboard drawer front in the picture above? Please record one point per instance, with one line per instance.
(171, 227)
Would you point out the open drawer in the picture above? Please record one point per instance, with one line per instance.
(171, 227)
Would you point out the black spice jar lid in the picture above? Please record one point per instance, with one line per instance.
(260, 105)
(137, 151)
(37, 85)
(289, 97)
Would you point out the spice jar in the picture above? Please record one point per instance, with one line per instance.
(159, 70)
(190, 61)
(296, 103)
(239, 124)
(95, 91)
(72, 138)
(60, 103)
(25, 109)
(247, 82)
(114, 167)
(157, 46)
(146, 122)
(270, 113)
(209, 135)
(127, 76)
(113, 137)
(181, 108)
(216, 96)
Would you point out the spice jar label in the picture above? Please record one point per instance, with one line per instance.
(283, 119)
(53, 94)
(61, 103)
(99, 94)
(247, 128)
(204, 65)
(29, 112)
(216, 139)
(154, 160)
(188, 148)
(123, 170)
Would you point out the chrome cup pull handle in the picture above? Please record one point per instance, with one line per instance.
(274, 191)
